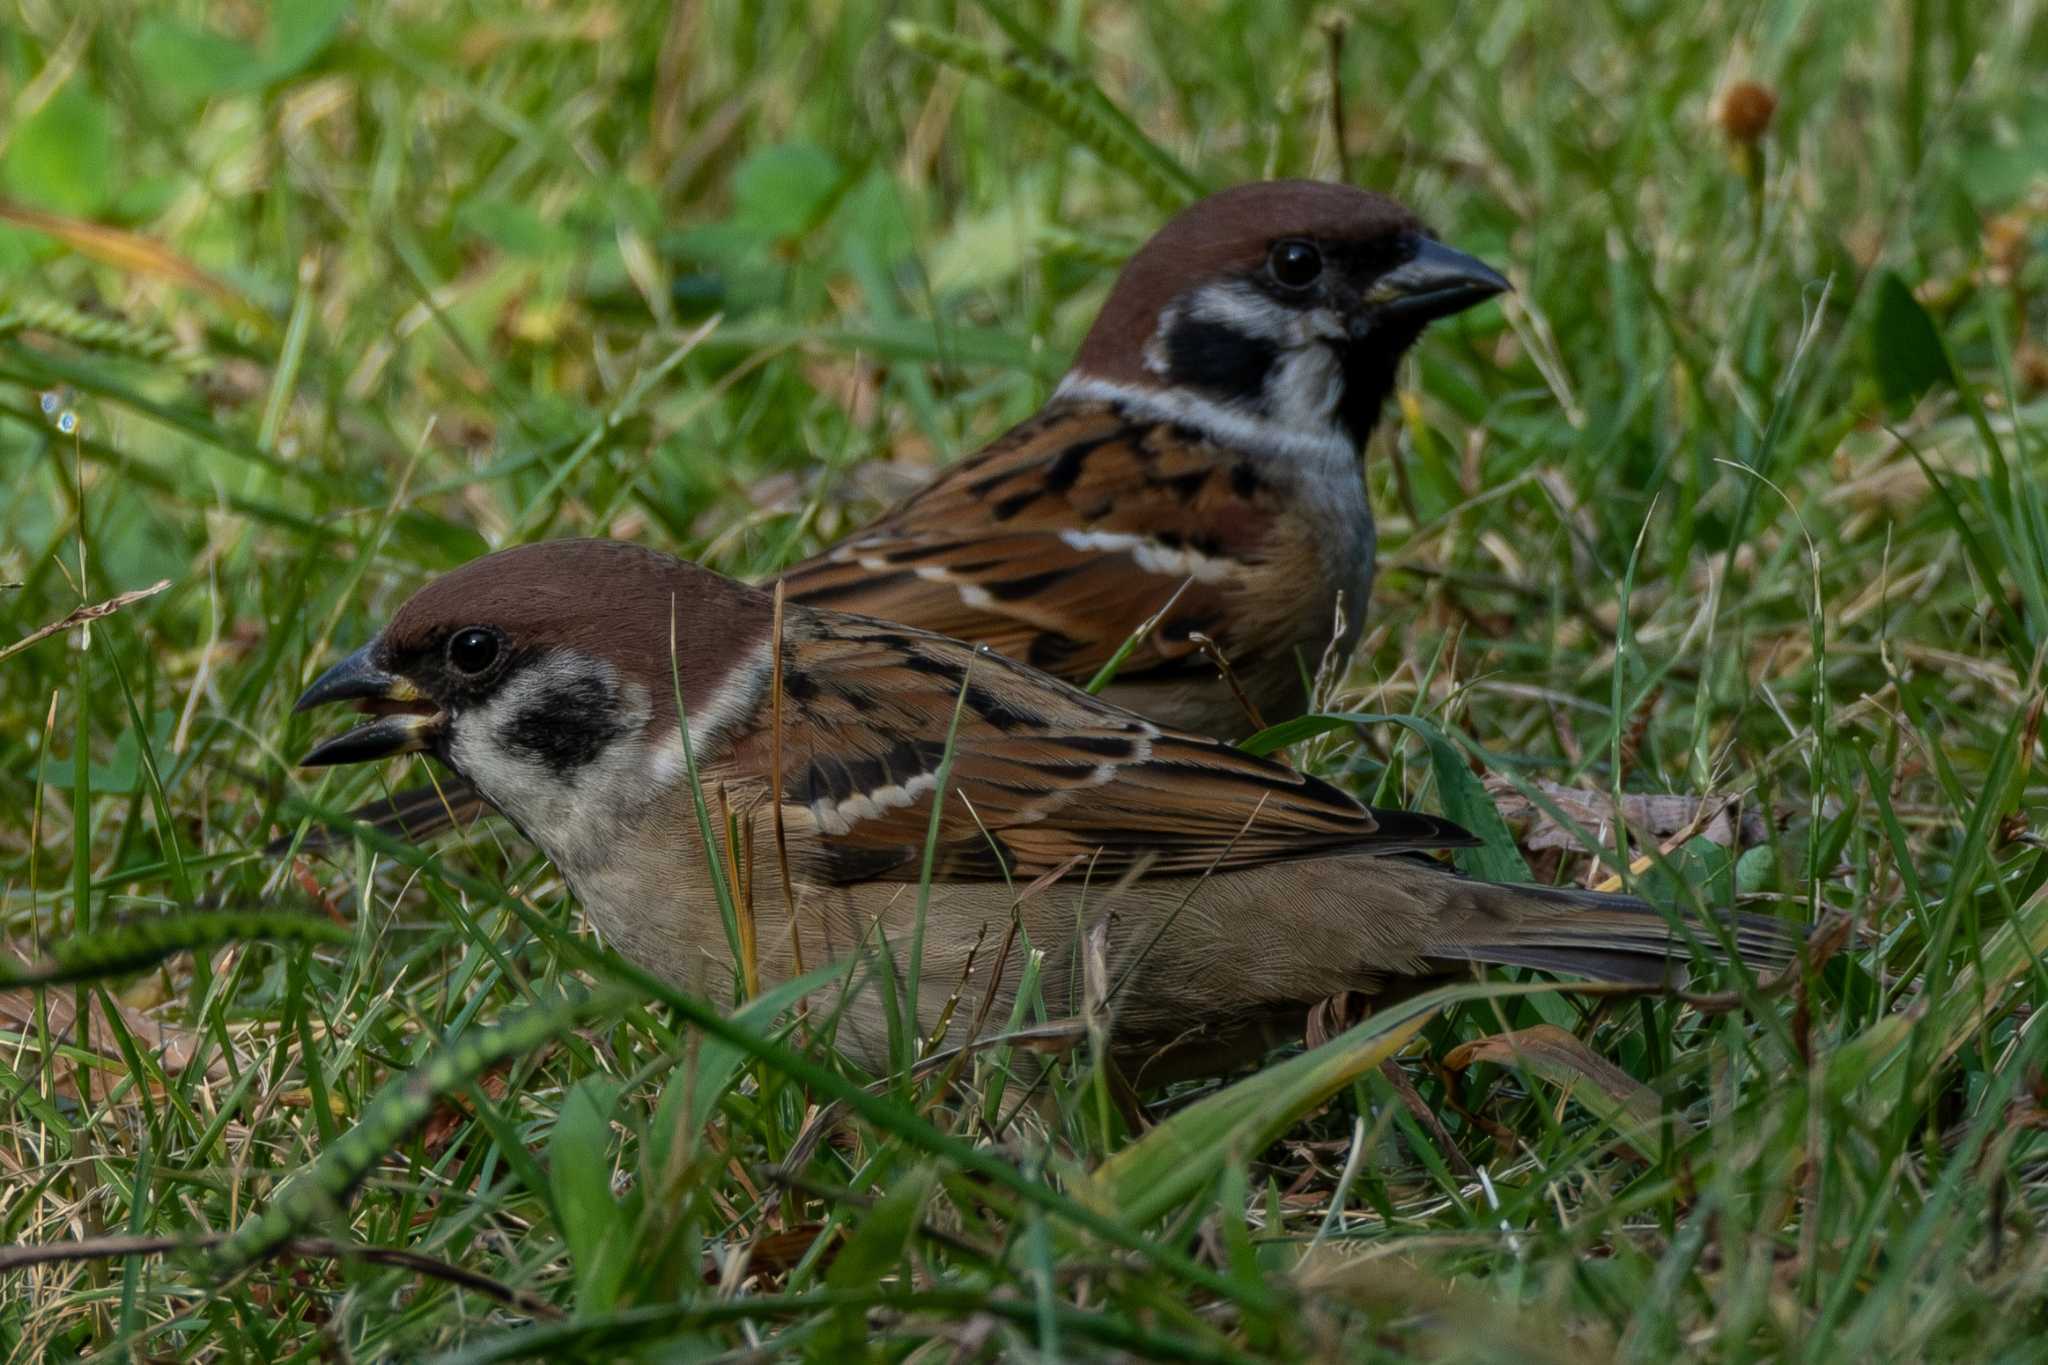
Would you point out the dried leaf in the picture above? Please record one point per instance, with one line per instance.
(453, 1110)
(123, 250)
(1332, 1016)
(1735, 824)
(778, 1253)
(1626, 1104)
(1095, 978)
(171, 1045)
(2027, 1115)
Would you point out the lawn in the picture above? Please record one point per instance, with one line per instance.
(1740, 501)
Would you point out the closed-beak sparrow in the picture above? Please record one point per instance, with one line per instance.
(1204, 451)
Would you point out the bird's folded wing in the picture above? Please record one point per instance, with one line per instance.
(1040, 775)
(1059, 541)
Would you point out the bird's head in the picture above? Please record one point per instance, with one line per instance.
(548, 675)
(1287, 302)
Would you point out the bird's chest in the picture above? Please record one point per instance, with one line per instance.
(651, 895)
(1347, 537)
(1319, 558)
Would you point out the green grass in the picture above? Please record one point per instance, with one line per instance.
(1744, 493)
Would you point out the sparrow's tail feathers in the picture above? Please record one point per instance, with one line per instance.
(1604, 937)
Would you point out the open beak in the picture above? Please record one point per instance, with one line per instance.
(1436, 283)
(406, 721)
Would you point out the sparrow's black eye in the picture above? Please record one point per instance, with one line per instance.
(472, 651)
(1295, 264)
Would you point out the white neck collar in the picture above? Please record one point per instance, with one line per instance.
(1230, 426)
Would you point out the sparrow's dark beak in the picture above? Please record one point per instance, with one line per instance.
(406, 720)
(1435, 283)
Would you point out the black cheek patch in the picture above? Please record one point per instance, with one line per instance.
(1213, 357)
(567, 726)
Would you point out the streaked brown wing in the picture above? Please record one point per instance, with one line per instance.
(1033, 596)
(1041, 773)
(1061, 539)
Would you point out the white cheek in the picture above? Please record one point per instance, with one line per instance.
(572, 812)
(520, 786)
(1244, 309)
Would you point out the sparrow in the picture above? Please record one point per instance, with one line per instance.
(581, 685)
(1201, 463)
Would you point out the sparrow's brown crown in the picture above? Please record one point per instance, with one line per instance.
(590, 596)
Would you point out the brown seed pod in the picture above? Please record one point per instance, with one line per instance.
(1744, 111)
